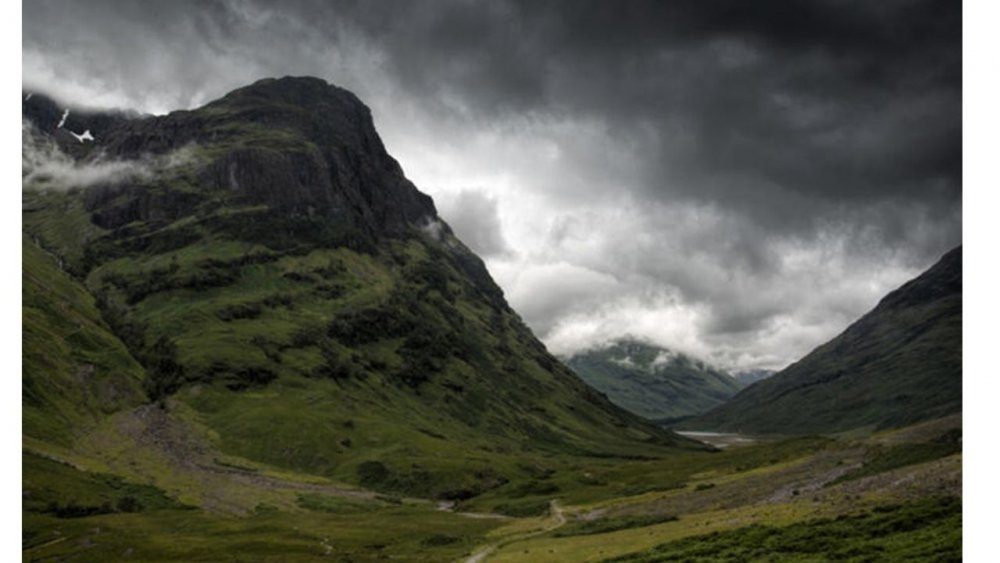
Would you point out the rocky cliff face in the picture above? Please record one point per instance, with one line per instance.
(302, 147)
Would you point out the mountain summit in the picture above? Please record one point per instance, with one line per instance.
(299, 146)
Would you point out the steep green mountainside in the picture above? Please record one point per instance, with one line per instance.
(899, 364)
(286, 290)
(75, 370)
(651, 381)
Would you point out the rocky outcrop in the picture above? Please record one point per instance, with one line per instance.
(302, 147)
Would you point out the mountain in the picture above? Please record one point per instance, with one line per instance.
(246, 336)
(899, 364)
(652, 381)
(261, 274)
(751, 376)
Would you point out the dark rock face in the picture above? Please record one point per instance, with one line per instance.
(343, 183)
(113, 206)
(302, 147)
(342, 169)
(301, 154)
(41, 110)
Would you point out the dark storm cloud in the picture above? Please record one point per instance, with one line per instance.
(836, 100)
(755, 170)
(833, 99)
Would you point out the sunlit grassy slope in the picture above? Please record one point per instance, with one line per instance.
(387, 368)
(814, 500)
(926, 530)
(75, 370)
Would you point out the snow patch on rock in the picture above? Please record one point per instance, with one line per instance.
(86, 136)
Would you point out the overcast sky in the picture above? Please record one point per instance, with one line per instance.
(737, 180)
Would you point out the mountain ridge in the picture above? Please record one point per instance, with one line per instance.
(653, 381)
(751, 376)
(898, 364)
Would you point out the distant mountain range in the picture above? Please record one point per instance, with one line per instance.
(899, 364)
(652, 381)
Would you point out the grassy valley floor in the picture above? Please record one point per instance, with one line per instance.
(885, 496)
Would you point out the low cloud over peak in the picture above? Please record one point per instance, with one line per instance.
(475, 218)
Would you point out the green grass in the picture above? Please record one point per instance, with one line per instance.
(926, 530)
(473, 431)
(54, 488)
(74, 370)
(887, 458)
(404, 533)
(338, 505)
(264, 342)
(60, 223)
(523, 508)
(613, 525)
(595, 480)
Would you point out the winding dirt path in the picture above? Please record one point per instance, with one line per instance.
(482, 553)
